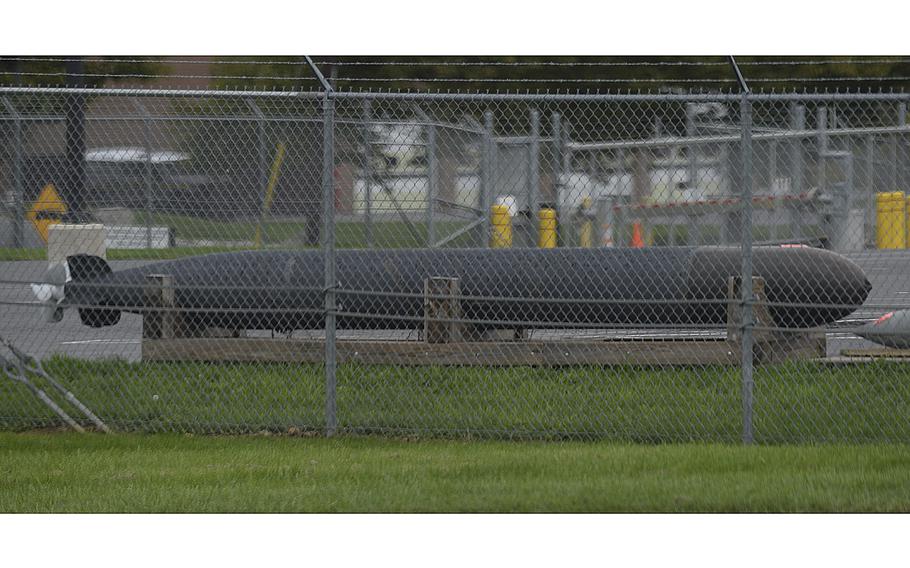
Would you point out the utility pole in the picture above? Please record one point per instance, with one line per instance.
(73, 182)
(747, 297)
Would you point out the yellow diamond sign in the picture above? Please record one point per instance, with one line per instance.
(47, 210)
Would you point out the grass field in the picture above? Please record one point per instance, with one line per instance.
(7, 254)
(282, 234)
(348, 234)
(52, 472)
(794, 403)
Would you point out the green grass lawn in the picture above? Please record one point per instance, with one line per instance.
(7, 253)
(795, 403)
(348, 234)
(278, 234)
(53, 472)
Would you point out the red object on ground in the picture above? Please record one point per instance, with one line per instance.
(637, 240)
(884, 318)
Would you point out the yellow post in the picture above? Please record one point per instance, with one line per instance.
(907, 223)
(586, 235)
(501, 224)
(547, 237)
(890, 220)
(269, 194)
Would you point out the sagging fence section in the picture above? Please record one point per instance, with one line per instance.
(532, 266)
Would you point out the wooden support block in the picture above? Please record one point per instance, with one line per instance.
(802, 345)
(877, 352)
(441, 310)
(768, 345)
(760, 314)
(160, 320)
(762, 344)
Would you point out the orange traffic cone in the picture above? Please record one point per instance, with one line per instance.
(637, 240)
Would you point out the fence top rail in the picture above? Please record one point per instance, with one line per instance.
(728, 138)
(140, 92)
(626, 96)
(467, 96)
(12, 115)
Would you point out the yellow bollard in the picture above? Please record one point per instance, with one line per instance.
(586, 235)
(269, 194)
(890, 220)
(907, 223)
(547, 237)
(501, 227)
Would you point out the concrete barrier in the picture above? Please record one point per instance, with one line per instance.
(64, 240)
(125, 237)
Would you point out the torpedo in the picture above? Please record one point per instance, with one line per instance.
(891, 330)
(538, 288)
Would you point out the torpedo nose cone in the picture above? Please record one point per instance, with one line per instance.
(890, 330)
(855, 286)
(814, 287)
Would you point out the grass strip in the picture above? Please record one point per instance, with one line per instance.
(807, 402)
(52, 472)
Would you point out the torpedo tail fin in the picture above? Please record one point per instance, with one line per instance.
(85, 268)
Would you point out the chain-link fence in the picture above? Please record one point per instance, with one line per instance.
(508, 265)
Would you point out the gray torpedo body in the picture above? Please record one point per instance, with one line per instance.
(890, 330)
(277, 290)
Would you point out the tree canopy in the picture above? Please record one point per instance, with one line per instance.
(489, 73)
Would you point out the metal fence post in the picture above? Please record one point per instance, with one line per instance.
(534, 171)
(617, 230)
(328, 197)
(558, 151)
(746, 290)
(692, 182)
(797, 166)
(75, 144)
(149, 201)
(19, 195)
(328, 245)
(147, 172)
(486, 179)
(822, 148)
(565, 140)
(892, 160)
(870, 220)
(263, 166)
(731, 228)
(367, 176)
(432, 184)
(899, 157)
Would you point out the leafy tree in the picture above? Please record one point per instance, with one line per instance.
(97, 71)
